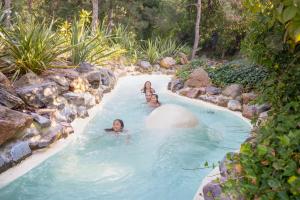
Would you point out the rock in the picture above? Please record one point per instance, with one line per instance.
(171, 116)
(9, 100)
(107, 78)
(234, 105)
(79, 84)
(12, 122)
(67, 129)
(97, 93)
(249, 111)
(19, 151)
(208, 98)
(94, 78)
(212, 191)
(193, 93)
(4, 164)
(68, 73)
(145, 65)
(167, 62)
(82, 112)
(156, 67)
(49, 136)
(247, 97)
(183, 58)
(28, 79)
(39, 95)
(62, 83)
(80, 99)
(233, 90)
(176, 85)
(43, 122)
(67, 114)
(224, 170)
(85, 67)
(4, 82)
(198, 78)
(211, 90)
(223, 100)
(29, 133)
(263, 108)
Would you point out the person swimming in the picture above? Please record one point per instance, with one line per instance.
(118, 126)
(147, 88)
(154, 101)
(148, 96)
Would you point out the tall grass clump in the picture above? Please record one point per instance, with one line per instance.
(29, 46)
(94, 47)
(154, 49)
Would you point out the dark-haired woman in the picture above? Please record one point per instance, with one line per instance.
(147, 88)
(154, 101)
(118, 126)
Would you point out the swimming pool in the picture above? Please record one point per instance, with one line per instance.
(139, 165)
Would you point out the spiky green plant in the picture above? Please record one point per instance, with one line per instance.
(30, 46)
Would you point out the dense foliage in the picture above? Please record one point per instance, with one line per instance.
(270, 165)
(239, 71)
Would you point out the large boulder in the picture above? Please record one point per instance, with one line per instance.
(94, 78)
(80, 99)
(9, 100)
(145, 65)
(234, 105)
(198, 78)
(42, 121)
(28, 79)
(63, 83)
(175, 85)
(4, 82)
(12, 122)
(211, 90)
(19, 151)
(97, 93)
(38, 95)
(223, 100)
(233, 90)
(249, 111)
(171, 116)
(67, 114)
(247, 97)
(107, 78)
(167, 62)
(79, 84)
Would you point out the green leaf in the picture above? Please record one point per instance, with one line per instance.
(262, 150)
(274, 183)
(284, 140)
(289, 13)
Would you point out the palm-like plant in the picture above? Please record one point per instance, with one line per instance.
(29, 46)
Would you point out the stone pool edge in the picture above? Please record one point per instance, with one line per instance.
(41, 155)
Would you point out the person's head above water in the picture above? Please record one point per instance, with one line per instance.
(148, 96)
(154, 101)
(118, 126)
(147, 87)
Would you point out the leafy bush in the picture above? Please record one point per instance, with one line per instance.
(154, 49)
(95, 47)
(29, 46)
(246, 74)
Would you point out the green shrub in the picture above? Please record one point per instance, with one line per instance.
(154, 49)
(239, 71)
(29, 46)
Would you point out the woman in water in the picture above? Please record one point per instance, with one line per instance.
(118, 126)
(154, 101)
(148, 96)
(147, 88)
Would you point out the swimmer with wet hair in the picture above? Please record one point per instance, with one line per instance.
(154, 101)
(148, 96)
(147, 88)
(118, 126)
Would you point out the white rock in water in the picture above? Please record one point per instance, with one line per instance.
(171, 116)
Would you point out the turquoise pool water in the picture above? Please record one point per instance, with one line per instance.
(145, 165)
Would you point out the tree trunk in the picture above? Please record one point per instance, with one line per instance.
(110, 17)
(29, 4)
(197, 29)
(7, 8)
(95, 20)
